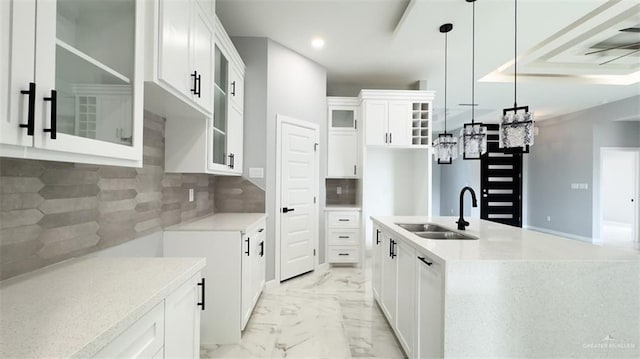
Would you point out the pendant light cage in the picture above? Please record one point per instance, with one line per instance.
(516, 132)
(445, 147)
(473, 143)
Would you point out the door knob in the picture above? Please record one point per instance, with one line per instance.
(285, 209)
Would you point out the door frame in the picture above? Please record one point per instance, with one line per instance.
(636, 225)
(280, 120)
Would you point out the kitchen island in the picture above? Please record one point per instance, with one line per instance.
(507, 293)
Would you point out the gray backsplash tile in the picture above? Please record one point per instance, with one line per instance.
(238, 194)
(349, 191)
(52, 211)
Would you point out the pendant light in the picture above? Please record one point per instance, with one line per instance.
(446, 145)
(516, 126)
(473, 136)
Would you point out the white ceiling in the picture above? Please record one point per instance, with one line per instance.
(377, 44)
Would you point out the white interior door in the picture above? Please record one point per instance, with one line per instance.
(298, 212)
(619, 197)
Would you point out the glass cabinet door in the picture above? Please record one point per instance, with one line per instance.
(342, 118)
(219, 128)
(94, 69)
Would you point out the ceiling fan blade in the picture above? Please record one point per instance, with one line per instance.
(614, 48)
(621, 56)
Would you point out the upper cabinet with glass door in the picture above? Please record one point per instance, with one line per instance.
(84, 103)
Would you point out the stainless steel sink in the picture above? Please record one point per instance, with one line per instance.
(444, 235)
(422, 227)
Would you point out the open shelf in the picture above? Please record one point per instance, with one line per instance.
(78, 67)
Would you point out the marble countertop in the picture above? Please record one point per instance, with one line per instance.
(221, 222)
(499, 242)
(76, 307)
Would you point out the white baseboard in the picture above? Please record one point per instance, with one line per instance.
(271, 284)
(323, 267)
(560, 234)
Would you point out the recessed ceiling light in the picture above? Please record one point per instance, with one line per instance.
(317, 42)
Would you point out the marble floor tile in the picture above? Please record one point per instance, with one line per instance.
(323, 314)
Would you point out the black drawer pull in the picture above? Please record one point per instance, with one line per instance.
(201, 285)
(54, 114)
(233, 89)
(377, 236)
(424, 260)
(31, 119)
(343, 220)
(343, 254)
(344, 237)
(248, 246)
(262, 249)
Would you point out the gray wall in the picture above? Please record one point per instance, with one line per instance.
(52, 211)
(453, 178)
(253, 51)
(567, 150)
(286, 83)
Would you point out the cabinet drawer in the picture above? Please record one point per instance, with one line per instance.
(343, 254)
(143, 339)
(344, 219)
(344, 236)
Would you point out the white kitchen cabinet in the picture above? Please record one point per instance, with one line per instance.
(343, 138)
(389, 279)
(342, 231)
(376, 263)
(212, 144)
(235, 271)
(170, 330)
(430, 290)
(179, 68)
(74, 42)
(396, 118)
(182, 320)
(342, 154)
(406, 297)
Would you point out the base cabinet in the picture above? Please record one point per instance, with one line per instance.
(430, 336)
(235, 276)
(408, 286)
(342, 233)
(170, 330)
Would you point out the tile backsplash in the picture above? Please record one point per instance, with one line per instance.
(52, 211)
(238, 195)
(348, 189)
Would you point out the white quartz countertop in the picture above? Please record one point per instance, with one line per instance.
(221, 222)
(76, 307)
(501, 242)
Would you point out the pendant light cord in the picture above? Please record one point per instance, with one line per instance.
(515, 56)
(445, 82)
(473, 65)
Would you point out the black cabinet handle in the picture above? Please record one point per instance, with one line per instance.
(197, 82)
(343, 254)
(233, 89)
(377, 236)
(262, 249)
(248, 240)
(285, 209)
(54, 114)
(393, 249)
(343, 220)
(232, 160)
(343, 237)
(386, 137)
(424, 260)
(260, 230)
(31, 119)
(354, 170)
(201, 285)
(390, 137)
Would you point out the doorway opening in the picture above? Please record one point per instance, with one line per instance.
(619, 189)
